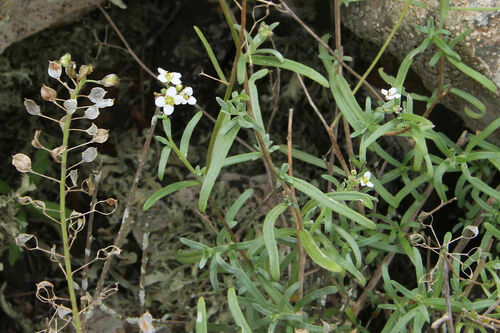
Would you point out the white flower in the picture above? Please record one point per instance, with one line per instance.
(96, 96)
(169, 77)
(365, 180)
(187, 96)
(168, 101)
(391, 94)
(55, 69)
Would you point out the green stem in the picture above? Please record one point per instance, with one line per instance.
(62, 210)
(382, 49)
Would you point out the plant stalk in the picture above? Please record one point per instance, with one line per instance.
(62, 213)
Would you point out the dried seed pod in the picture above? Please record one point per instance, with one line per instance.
(101, 136)
(56, 153)
(89, 154)
(92, 130)
(48, 93)
(92, 112)
(70, 105)
(32, 107)
(36, 142)
(21, 162)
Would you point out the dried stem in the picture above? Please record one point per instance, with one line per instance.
(329, 130)
(126, 222)
(319, 40)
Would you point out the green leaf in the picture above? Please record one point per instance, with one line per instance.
(407, 61)
(314, 295)
(285, 299)
(474, 141)
(483, 80)
(445, 48)
(236, 311)
(352, 243)
(168, 190)
(188, 132)
(492, 229)
(236, 206)
(211, 54)
(479, 184)
(119, 3)
(292, 66)
(311, 159)
(334, 205)
(241, 158)
(316, 254)
(473, 101)
(201, 317)
(254, 97)
(223, 143)
(368, 138)
(165, 154)
(272, 52)
(270, 241)
(353, 196)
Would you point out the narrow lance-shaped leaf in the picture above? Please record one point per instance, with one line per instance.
(334, 205)
(236, 311)
(166, 191)
(222, 144)
(316, 254)
(188, 132)
(165, 154)
(236, 206)
(270, 241)
(201, 317)
(211, 54)
(292, 66)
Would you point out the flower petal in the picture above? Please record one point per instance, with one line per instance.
(191, 100)
(179, 100)
(160, 101)
(171, 92)
(168, 109)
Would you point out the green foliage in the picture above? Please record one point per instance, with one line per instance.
(332, 230)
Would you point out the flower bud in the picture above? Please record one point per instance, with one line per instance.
(48, 93)
(84, 71)
(65, 60)
(55, 69)
(70, 70)
(21, 162)
(110, 80)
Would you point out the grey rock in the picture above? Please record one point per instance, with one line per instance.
(374, 19)
(22, 18)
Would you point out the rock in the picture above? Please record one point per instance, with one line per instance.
(22, 18)
(374, 20)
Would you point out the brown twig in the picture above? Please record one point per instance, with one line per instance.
(319, 40)
(333, 140)
(95, 180)
(126, 223)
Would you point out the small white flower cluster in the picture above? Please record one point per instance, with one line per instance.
(173, 95)
(363, 180)
(391, 94)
